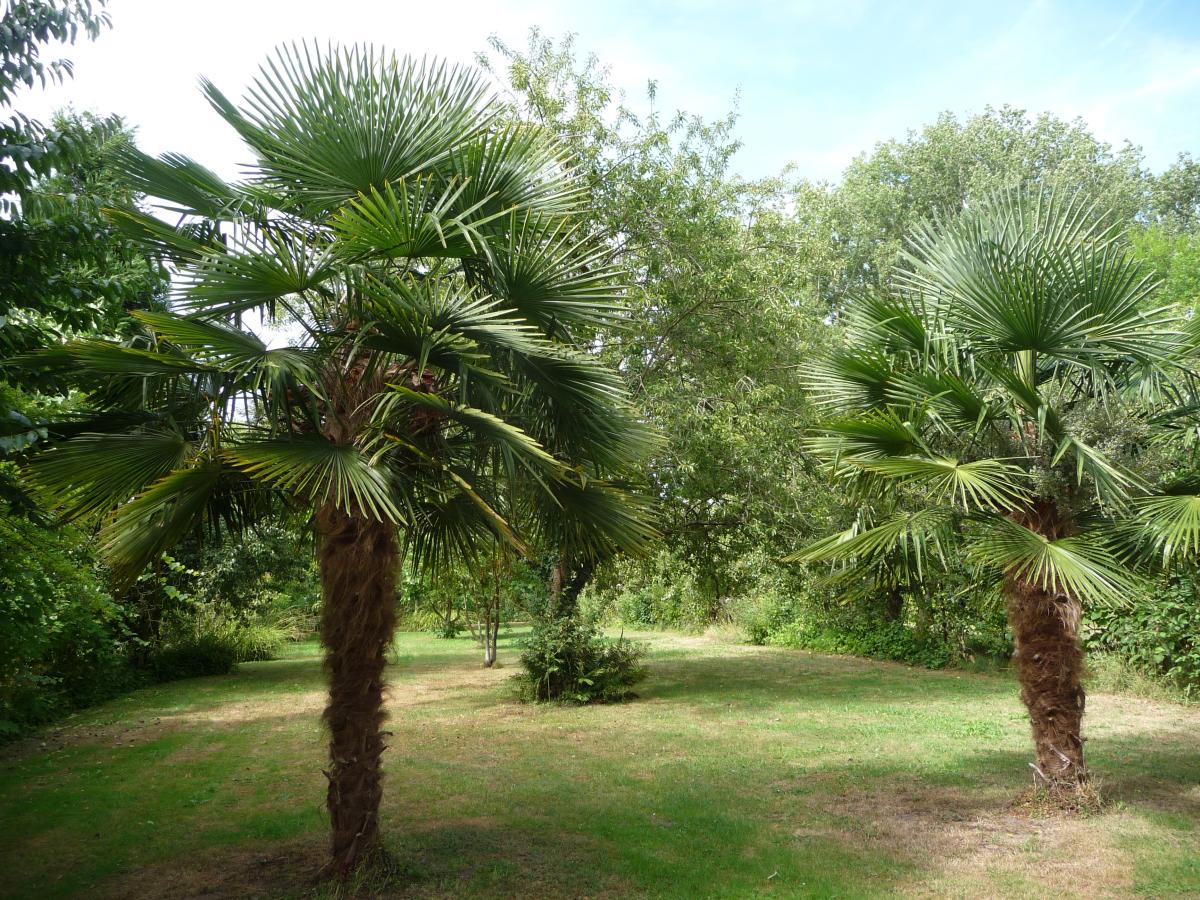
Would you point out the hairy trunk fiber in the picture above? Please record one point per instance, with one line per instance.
(1045, 626)
(358, 559)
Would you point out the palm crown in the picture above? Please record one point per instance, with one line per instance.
(1011, 391)
(425, 248)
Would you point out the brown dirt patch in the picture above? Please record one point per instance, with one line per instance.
(62, 737)
(963, 838)
(274, 871)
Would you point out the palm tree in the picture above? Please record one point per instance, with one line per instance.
(1006, 396)
(423, 249)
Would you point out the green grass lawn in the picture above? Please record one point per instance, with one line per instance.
(739, 772)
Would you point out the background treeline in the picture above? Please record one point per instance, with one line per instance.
(734, 285)
(739, 283)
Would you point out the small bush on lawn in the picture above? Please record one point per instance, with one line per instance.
(209, 653)
(568, 659)
(253, 642)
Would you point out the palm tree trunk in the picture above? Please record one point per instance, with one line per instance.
(564, 591)
(358, 559)
(1045, 627)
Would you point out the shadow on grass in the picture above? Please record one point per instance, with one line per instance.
(847, 830)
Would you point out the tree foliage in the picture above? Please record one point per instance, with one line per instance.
(720, 315)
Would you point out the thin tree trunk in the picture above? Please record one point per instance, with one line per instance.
(493, 636)
(1045, 626)
(358, 559)
(894, 608)
(555, 586)
(491, 616)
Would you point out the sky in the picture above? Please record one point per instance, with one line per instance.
(816, 82)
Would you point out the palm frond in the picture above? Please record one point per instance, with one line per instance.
(982, 484)
(874, 435)
(851, 380)
(552, 274)
(434, 320)
(321, 472)
(94, 472)
(179, 180)
(105, 358)
(1041, 275)
(515, 166)
(407, 219)
(261, 272)
(594, 520)
(493, 429)
(917, 535)
(139, 531)
(330, 125)
(224, 348)
(180, 244)
(1171, 523)
(1082, 566)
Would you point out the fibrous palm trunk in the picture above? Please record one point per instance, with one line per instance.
(1045, 626)
(358, 559)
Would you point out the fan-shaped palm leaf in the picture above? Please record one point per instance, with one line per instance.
(330, 126)
(1080, 566)
(320, 472)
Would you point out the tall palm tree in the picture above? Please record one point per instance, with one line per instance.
(423, 249)
(1007, 395)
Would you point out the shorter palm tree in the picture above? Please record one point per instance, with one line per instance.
(439, 395)
(1010, 394)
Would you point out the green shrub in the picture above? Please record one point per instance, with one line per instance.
(950, 621)
(761, 614)
(64, 642)
(569, 659)
(881, 640)
(254, 642)
(269, 567)
(662, 592)
(1157, 632)
(209, 653)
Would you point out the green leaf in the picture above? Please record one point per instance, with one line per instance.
(914, 534)
(873, 435)
(263, 273)
(329, 125)
(179, 180)
(594, 520)
(487, 426)
(1172, 524)
(319, 472)
(1080, 566)
(94, 472)
(403, 221)
(984, 484)
(139, 531)
(553, 274)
